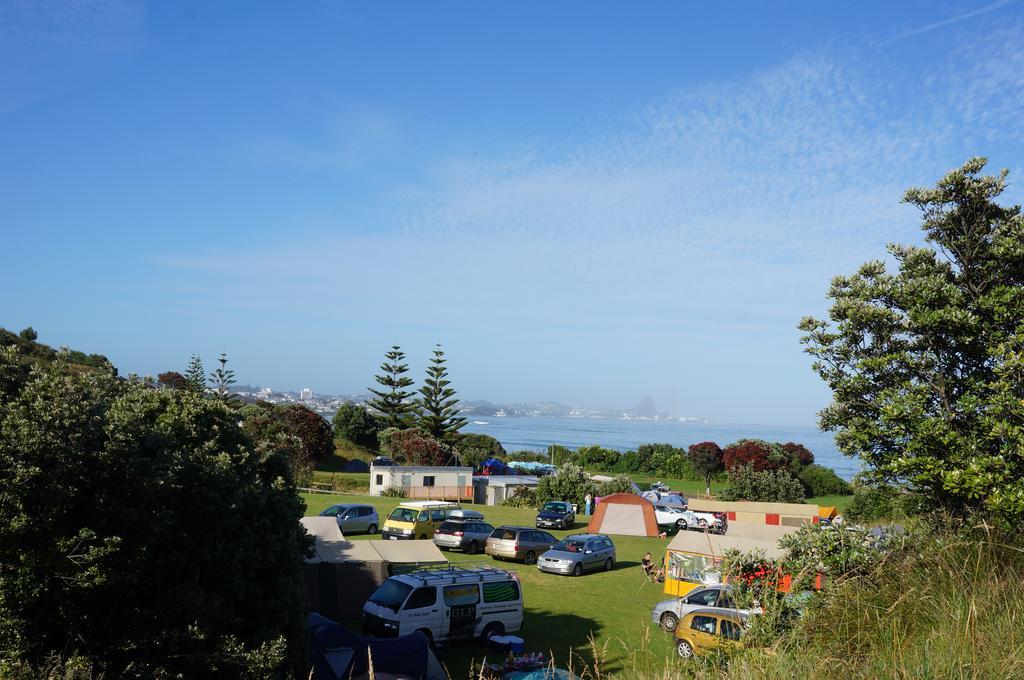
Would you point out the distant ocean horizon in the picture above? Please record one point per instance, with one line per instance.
(535, 434)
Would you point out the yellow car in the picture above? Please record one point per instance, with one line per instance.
(706, 629)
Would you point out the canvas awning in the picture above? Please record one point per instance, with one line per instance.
(323, 528)
(701, 543)
(759, 532)
(408, 552)
(346, 552)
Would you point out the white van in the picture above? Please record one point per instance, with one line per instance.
(448, 603)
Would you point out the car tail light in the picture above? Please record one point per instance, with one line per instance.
(516, 547)
(457, 533)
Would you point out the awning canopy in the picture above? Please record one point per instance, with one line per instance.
(701, 543)
(398, 552)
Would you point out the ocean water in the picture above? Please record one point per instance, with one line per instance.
(535, 434)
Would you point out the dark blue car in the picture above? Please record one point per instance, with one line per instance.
(556, 515)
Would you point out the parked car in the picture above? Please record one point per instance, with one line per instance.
(518, 543)
(463, 530)
(382, 461)
(446, 604)
(417, 519)
(354, 518)
(671, 517)
(579, 553)
(556, 515)
(705, 629)
(668, 613)
(715, 522)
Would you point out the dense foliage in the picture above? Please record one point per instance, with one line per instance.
(799, 455)
(437, 407)
(746, 483)
(414, 447)
(475, 448)
(822, 481)
(173, 380)
(31, 352)
(570, 484)
(314, 438)
(926, 365)
(615, 485)
(706, 460)
(143, 532)
(755, 453)
(356, 424)
(522, 497)
(393, 399)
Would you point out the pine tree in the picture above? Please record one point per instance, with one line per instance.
(438, 406)
(196, 374)
(223, 378)
(391, 401)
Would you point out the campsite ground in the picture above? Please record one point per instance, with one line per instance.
(561, 612)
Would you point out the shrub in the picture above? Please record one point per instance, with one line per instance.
(523, 497)
(528, 457)
(799, 455)
(559, 454)
(666, 460)
(819, 480)
(354, 423)
(475, 448)
(772, 486)
(874, 502)
(413, 447)
(393, 492)
(629, 461)
(758, 454)
(571, 483)
(617, 485)
(145, 483)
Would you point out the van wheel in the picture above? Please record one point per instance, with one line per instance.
(684, 649)
(669, 622)
(608, 564)
(372, 529)
(491, 629)
(530, 558)
(577, 570)
(472, 548)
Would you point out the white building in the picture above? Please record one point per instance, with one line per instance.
(434, 483)
(306, 394)
(493, 489)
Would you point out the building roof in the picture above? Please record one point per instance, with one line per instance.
(422, 468)
(507, 480)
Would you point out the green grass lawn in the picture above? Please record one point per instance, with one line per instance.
(561, 613)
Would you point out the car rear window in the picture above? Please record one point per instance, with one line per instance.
(449, 527)
(504, 534)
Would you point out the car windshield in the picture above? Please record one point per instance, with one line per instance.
(570, 545)
(674, 511)
(555, 507)
(391, 594)
(403, 515)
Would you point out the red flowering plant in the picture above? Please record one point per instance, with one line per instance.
(758, 454)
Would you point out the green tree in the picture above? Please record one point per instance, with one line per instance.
(474, 448)
(29, 334)
(746, 483)
(154, 541)
(571, 484)
(222, 379)
(822, 481)
(438, 407)
(392, 400)
(196, 374)
(356, 424)
(924, 364)
(706, 459)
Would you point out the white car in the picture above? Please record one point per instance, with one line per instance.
(674, 516)
(670, 516)
(668, 613)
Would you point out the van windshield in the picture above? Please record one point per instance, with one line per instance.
(391, 594)
(403, 515)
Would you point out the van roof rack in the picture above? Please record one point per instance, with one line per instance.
(439, 573)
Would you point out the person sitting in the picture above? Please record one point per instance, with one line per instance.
(648, 564)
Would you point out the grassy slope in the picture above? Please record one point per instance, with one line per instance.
(561, 612)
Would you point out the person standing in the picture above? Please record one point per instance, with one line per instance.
(587, 501)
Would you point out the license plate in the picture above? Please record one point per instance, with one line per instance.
(393, 538)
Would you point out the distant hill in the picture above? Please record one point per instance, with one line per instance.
(35, 352)
(645, 409)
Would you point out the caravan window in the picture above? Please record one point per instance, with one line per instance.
(422, 597)
(428, 480)
(687, 567)
(461, 595)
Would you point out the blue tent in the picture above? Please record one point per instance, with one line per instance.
(357, 466)
(337, 653)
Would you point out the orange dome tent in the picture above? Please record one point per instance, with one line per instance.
(624, 514)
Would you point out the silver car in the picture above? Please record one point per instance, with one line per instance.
(354, 518)
(469, 535)
(579, 553)
(668, 613)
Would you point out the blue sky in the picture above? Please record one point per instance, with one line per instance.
(588, 202)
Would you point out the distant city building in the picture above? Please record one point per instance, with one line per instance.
(265, 393)
(306, 394)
